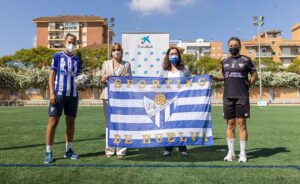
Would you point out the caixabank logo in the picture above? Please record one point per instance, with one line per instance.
(145, 42)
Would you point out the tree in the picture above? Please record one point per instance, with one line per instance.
(267, 64)
(92, 58)
(39, 56)
(5, 59)
(206, 64)
(42, 56)
(190, 60)
(295, 66)
(203, 65)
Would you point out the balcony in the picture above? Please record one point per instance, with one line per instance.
(63, 26)
(264, 55)
(287, 56)
(56, 44)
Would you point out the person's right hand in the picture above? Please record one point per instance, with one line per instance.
(52, 98)
(104, 78)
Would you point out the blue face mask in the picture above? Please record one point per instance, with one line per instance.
(174, 59)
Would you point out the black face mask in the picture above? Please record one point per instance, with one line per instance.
(234, 51)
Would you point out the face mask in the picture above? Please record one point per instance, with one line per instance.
(174, 59)
(234, 51)
(116, 54)
(70, 47)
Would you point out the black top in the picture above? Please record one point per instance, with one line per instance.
(235, 71)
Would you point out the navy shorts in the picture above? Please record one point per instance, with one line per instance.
(236, 108)
(64, 103)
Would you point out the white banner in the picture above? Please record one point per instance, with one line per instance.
(145, 52)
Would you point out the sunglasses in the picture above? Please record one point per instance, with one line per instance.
(116, 49)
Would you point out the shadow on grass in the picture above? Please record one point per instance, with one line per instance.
(86, 155)
(196, 154)
(61, 142)
(265, 152)
(95, 154)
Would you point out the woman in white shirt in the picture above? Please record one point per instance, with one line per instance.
(114, 67)
(173, 67)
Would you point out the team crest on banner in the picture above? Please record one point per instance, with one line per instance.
(154, 112)
(159, 109)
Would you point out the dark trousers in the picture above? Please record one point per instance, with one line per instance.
(181, 148)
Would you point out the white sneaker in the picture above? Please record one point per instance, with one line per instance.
(230, 157)
(243, 158)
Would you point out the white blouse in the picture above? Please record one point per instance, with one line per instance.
(173, 74)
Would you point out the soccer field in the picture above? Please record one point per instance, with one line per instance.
(273, 151)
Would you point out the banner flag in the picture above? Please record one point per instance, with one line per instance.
(154, 111)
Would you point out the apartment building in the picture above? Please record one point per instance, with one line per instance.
(89, 30)
(200, 47)
(274, 46)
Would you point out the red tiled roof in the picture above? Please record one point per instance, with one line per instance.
(65, 18)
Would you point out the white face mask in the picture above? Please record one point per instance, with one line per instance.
(70, 47)
(116, 54)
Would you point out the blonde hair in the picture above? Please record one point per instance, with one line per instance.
(116, 46)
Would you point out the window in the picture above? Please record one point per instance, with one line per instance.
(51, 26)
(71, 25)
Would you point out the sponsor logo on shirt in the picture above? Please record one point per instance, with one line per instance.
(241, 65)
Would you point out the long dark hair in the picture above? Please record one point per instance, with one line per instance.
(167, 65)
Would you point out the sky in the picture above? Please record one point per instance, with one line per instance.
(216, 20)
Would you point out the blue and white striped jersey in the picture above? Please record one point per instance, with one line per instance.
(67, 68)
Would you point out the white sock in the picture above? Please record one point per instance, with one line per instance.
(243, 145)
(68, 145)
(230, 143)
(48, 148)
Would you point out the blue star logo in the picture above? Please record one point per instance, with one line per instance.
(145, 39)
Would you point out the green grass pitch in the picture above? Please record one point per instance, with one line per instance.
(273, 151)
